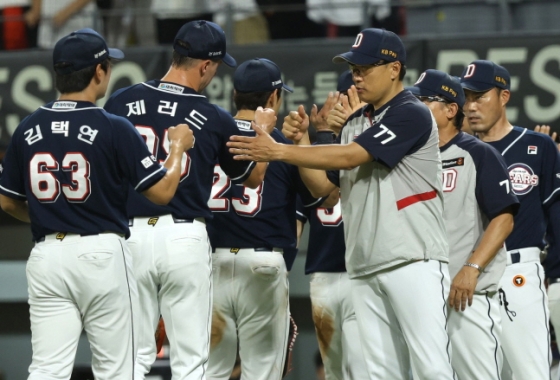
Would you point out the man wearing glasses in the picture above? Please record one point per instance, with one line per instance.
(388, 168)
(479, 207)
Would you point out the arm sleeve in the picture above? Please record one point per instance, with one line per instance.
(12, 183)
(136, 162)
(301, 213)
(237, 171)
(493, 188)
(550, 178)
(334, 175)
(397, 135)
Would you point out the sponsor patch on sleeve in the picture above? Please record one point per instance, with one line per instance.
(147, 162)
(460, 161)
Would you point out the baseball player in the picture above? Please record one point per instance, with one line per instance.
(66, 172)
(332, 309)
(533, 162)
(169, 244)
(479, 207)
(253, 235)
(389, 172)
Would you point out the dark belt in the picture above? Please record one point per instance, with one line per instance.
(175, 220)
(42, 238)
(258, 249)
(553, 280)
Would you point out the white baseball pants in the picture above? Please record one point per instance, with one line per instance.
(526, 336)
(173, 268)
(402, 320)
(476, 338)
(82, 283)
(251, 306)
(336, 326)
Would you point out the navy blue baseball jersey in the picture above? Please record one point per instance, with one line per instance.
(552, 262)
(534, 167)
(326, 248)
(73, 162)
(261, 217)
(155, 106)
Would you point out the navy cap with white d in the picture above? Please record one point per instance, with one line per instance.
(482, 75)
(258, 75)
(437, 83)
(80, 49)
(373, 45)
(203, 40)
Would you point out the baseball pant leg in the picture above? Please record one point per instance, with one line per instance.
(185, 267)
(327, 318)
(384, 349)
(475, 339)
(418, 294)
(56, 322)
(554, 307)
(223, 344)
(262, 310)
(526, 336)
(353, 364)
(109, 308)
(142, 248)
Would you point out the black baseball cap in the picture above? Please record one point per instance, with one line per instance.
(345, 81)
(437, 83)
(373, 45)
(203, 40)
(258, 75)
(482, 75)
(80, 49)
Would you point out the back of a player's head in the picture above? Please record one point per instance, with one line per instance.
(374, 45)
(345, 81)
(435, 83)
(200, 40)
(482, 75)
(254, 81)
(76, 56)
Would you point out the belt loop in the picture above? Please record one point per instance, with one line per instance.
(515, 257)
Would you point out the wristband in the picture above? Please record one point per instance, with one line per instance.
(325, 137)
(473, 265)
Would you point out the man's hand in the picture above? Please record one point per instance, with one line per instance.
(295, 125)
(462, 288)
(339, 114)
(181, 134)
(319, 118)
(265, 119)
(545, 129)
(260, 148)
(354, 99)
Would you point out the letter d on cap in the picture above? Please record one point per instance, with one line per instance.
(358, 40)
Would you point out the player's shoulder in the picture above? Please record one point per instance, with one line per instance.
(406, 106)
(527, 135)
(277, 135)
(124, 92)
(477, 149)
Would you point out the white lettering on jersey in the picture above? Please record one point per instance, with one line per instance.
(171, 88)
(61, 127)
(506, 183)
(33, 138)
(167, 108)
(147, 162)
(87, 134)
(330, 217)
(449, 180)
(64, 105)
(531, 149)
(136, 108)
(522, 178)
(385, 130)
(196, 120)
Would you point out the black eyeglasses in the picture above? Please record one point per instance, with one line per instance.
(430, 99)
(361, 71)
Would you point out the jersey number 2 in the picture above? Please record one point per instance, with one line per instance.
(46, 187)
(248, 205)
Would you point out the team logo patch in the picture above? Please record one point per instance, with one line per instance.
(152, 221)
(522, 178)
(518, 280)
(147, 162)
(531, 149)
(60, 236)
(171, 88)
(234, 250)
(460, 161)
(64, 105)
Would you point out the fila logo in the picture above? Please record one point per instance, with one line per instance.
(421, 78)
(470, 71)
(358, 41)
(531, 149)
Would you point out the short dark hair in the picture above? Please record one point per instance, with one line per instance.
(459, 118)
(402, 73)
(252, 100)
(78, 80)
(181, 61)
